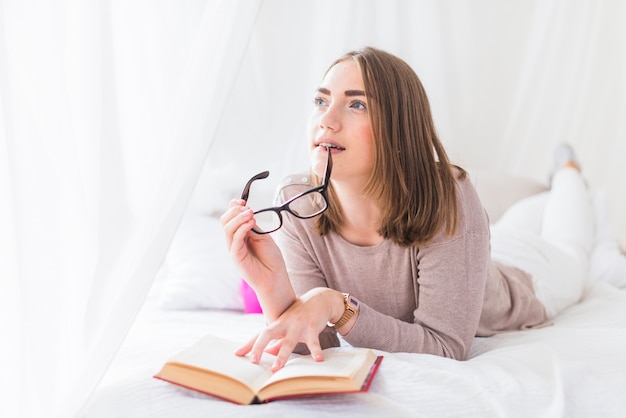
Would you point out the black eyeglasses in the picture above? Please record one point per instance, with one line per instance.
(307, 204)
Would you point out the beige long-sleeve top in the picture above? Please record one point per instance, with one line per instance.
(432, 299)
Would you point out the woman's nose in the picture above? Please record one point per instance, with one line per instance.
(330, 118)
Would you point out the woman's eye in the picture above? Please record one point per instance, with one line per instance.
(358, 105)
(318, 101)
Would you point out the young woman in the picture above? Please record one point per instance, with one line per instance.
(400, 261)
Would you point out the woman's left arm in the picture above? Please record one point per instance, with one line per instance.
(449, 277)
(451, 283)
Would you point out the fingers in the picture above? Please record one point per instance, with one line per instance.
(256, 348)
(302, 322)
(236, 222)
(235, 207)
(316, 349)
(287, 347)
(245, 349)
(274, 347)
(261, 342)
(232, 211)
(279, 347)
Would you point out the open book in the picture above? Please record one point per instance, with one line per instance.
(211, 367)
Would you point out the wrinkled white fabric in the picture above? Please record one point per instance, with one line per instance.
(108, 111)
(550, 236)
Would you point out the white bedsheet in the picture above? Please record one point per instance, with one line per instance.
(574, 368)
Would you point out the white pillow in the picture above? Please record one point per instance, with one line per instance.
(607, 262)
(498, 191)
(198, 272)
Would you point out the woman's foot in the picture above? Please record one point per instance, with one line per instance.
(564, 156)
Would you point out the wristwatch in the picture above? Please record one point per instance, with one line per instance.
(351, 307)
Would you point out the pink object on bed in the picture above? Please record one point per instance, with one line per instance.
(250, 301)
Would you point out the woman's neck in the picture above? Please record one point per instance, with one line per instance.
(361, 216)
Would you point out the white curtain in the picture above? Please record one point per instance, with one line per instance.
(508, 81)
(108, 109)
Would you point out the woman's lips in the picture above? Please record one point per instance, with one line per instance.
(331, 146)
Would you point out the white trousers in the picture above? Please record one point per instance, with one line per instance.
(550, 236)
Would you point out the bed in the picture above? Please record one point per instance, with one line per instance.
(574, 368)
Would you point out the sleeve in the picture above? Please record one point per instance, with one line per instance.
(293, 238)
(450, 277)
(298, 255)
(451, 280)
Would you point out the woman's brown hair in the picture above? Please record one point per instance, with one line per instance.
(412, 178)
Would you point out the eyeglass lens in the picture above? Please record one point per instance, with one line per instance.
(306, 206)
(309, 204)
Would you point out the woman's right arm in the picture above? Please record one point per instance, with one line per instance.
(290, 320)
(258, 259)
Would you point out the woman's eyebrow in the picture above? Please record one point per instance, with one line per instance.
(349, 93)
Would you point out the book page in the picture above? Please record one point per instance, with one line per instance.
(337, 363)
(218, 355)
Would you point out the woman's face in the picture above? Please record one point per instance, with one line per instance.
(340, 119)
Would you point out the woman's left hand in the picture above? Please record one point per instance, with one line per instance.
(302, 322)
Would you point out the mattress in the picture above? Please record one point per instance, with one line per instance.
(576, 367)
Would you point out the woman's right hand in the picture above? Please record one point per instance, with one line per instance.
(258, 259)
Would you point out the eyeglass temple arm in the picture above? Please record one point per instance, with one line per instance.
(329, 166)
(246, 190)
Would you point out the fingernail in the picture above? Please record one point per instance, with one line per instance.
(255, 358)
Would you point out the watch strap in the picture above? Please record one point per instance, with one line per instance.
(351, 306)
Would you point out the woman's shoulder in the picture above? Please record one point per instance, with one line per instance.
(300, 229)
(465, 186)
(472, 219)
(292, 185)
(472, 216)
